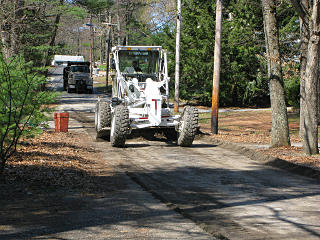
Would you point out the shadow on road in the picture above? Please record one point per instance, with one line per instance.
(102, 201)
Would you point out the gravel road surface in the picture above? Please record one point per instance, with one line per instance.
(223, 192)
(128, 213)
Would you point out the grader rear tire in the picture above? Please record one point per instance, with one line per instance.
(188, 126)
(119, 126)
(102, 115)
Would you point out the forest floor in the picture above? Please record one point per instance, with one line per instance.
(252, 129)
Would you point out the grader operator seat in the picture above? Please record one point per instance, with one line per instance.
(139, 63)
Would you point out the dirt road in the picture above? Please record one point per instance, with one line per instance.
(225, 193)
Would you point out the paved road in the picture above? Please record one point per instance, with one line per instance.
(225, 193)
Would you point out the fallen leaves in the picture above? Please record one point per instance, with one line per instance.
(54, 160)
(254, 128)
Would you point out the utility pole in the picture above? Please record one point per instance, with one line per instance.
(216, 69)
(94, 47)
(177, 71)
(108, 45)
(91, 38)
(78, 42)
(108, 60)
(118, 22)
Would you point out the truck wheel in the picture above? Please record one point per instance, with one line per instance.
(171, 134)
(102, 115)
(188, 126)
(119, 126)
(64, 85)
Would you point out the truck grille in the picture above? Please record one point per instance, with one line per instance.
(80, 82)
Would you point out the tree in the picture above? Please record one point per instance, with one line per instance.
(30, 27)
(309, 14)
(21, 104)
(280, 126)
(241, 46)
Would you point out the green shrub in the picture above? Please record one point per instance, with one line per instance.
(21, 104)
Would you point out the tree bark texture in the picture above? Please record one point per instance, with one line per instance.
(280, 127)
(6, 22)
(15, 27)
(304, 38)
(310, 120)
(5, 42)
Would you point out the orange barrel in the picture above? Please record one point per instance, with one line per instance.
(61, 121)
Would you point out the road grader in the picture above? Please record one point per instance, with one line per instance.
(140, 99)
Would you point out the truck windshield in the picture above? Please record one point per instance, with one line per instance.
(140, 62)
(84, 69)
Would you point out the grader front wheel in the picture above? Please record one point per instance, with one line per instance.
(102, 115)
(119, 126)
(188, 126)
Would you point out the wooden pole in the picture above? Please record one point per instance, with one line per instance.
(78, 42)
(91, 38)
(108, 53)
(94, 47)
(177, 70)
(216, 69)
(118, 22)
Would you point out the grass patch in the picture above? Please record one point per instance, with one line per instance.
(204, 118)
(294, 118)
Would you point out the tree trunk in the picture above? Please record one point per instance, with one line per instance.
(304, 38)
(2, 165)
(310, 137)
(5, 31)
(5, 41)
(15, 27)
(280, 127)
(303, 63)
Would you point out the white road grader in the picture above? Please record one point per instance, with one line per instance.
(140, 99)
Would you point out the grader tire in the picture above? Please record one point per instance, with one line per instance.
(119, 126)
(102, 115)
(188, 128)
